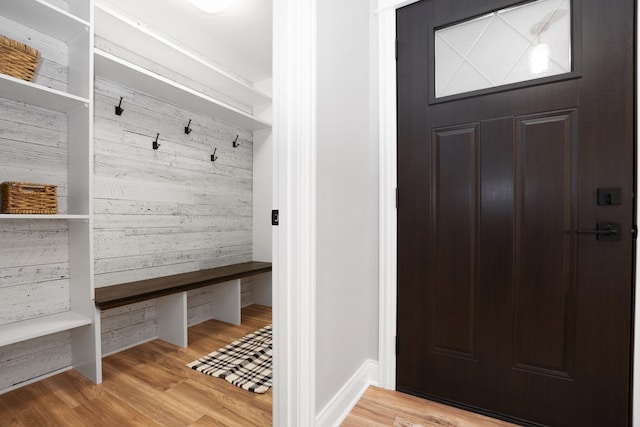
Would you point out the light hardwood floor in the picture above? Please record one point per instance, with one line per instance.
(379, 407)
(148, 385)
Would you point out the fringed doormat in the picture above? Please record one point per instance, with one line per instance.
(245, 363)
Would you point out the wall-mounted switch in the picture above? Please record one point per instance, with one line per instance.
(275, 217)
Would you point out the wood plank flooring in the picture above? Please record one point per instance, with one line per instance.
(379, 407)
(147, 385)
(150, 385)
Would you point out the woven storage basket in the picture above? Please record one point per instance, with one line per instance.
(28, 198)
(18, 60)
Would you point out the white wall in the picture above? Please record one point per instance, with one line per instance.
(262, 205)
(347, 196)
(262, 197)
(262, 194)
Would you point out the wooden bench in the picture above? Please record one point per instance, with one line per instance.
(171, 295)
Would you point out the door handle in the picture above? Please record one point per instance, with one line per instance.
(604, 231)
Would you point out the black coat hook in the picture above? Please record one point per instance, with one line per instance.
(235, 142)
(119, 109)
(213, 156)
(155, 143)
(187, 129)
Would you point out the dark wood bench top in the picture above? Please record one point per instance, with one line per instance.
(127, 293)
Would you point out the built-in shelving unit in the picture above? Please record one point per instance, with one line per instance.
(131, 75)
(139, 39)
(75, 29)
(46, 18)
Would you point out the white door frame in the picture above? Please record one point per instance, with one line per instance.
(387, 198)
(388, 217)
(294, 188)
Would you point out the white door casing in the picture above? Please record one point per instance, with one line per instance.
(294, 239)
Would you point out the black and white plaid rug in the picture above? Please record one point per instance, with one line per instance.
(245, 363)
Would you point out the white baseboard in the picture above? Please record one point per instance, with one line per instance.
(334, 413)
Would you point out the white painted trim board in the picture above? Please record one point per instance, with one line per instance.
(338, 408)
(294, 240)
(387, 197)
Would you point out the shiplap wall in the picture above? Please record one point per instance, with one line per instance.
(34, 256)
(53, 68)
(164, 212)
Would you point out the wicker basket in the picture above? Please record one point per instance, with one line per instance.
(18, 60)
(28, 198)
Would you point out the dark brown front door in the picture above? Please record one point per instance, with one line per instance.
(504, 306)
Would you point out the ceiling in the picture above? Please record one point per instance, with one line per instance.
(238, 38)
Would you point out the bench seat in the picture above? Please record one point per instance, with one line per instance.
(141, 290)
(171, 295)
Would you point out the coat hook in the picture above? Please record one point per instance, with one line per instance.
(119, 109)
(155, 143)
(235, 142)
(187, 129)
(213, 156)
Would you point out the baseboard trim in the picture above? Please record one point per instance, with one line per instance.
(334, 413)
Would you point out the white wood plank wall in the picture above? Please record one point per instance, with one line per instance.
(53, 69)
(34, 259)
(26, 360)
(164, 212)
(34, 265)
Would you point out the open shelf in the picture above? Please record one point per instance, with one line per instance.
(40, 96)
(48, 217)
(45, 18)
(127, 74)
(131, 35)
(57, 23)
(33, 328)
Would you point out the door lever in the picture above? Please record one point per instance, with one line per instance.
(604, 231)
